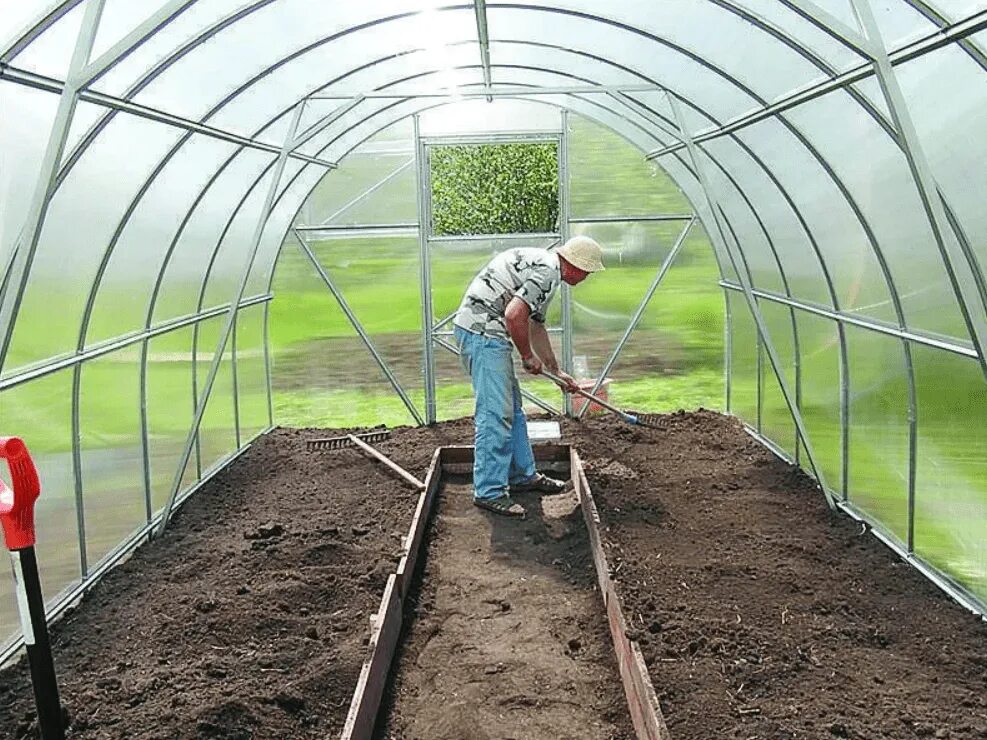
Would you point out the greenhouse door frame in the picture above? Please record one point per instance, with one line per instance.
(434, 333)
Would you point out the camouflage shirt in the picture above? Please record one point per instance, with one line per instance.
(531, 274)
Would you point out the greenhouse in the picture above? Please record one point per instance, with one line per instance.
(234, 238)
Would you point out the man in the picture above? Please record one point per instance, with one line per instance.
(507, 302)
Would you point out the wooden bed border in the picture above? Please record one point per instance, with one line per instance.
(386, 623)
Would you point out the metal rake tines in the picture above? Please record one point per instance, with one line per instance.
(337, 443)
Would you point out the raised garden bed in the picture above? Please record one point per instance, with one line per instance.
(758, 612)
(755, 612)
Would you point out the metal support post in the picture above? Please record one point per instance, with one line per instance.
(425, 271)
(358, 327)
(565, 232)
(642, 306)
(483, 37)
(231, 316)
(727, 349)
(762, 328)
(972, 298)
(20, 267)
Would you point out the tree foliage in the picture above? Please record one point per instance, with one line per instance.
(495, 189)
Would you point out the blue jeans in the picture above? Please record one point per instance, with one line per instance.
(503, 453)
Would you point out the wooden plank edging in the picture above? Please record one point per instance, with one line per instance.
(642, 701)
(386, 629)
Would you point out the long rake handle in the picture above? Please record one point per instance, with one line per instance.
(596, 399)
(386, 460)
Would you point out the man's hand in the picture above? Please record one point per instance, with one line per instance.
(568, 384)
(532, 364)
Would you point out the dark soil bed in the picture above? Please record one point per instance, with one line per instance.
(762, 615)
(506, 634)
(249, 619)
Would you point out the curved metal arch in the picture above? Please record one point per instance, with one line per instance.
(230, 20)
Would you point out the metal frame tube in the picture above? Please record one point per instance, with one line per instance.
(751, 303)
(230, 320)
(423, 199)
(971, 301)
(565, 209)
(23, 258)
(358, 327)
(372, 189)
(483, 38)
(642, 306)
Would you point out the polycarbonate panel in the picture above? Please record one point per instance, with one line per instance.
(776, 419)
(135, 263)
(499, 116)
(230, 258)
(806, 33)
(876, 173)
(674, 358)
(947, 100)
(119, 17)
(607, 177)
(665, 28)
(376, 184)
(17, 18)
(23, 140)
(751, 247)
(40, 413)
(50, 53)
(744, 345)
(251, 372)
(692, 80)
(195, 245)
(79, 224)
(852, 259)
(112, 458)
(170, 407)
(819, 352)
(192, 21)
(899, 23)
(217, 433)
(878, 419)
(603, 305)
(315, 346)
(791, 247)
(951, 494)
(335, 38)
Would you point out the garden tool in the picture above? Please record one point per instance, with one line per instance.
(17, 520)
(360, 441)
(646, 420)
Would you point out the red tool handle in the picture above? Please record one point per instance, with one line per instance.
(17, 505)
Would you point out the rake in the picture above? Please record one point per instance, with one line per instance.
(360, 441)
(644, 420)
(336, 443)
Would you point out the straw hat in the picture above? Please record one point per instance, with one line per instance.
(582, 252)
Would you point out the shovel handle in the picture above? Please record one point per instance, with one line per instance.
(586, 394)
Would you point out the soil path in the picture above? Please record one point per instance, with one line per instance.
(760, 613)
(509, 638)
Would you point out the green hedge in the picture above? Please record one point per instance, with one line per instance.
(495, 189)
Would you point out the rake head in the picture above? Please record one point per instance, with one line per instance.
(338, 443)
(647, 420)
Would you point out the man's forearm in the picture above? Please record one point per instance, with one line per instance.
(542, 345)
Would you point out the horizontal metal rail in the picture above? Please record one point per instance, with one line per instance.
(860, 321)
(358, 227)
(126, 341)
(67, 598)
(491, 237)
(48, 84)
(494, 92)
(631, 219)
